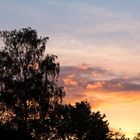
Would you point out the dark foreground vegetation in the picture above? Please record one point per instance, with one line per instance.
(31, 101)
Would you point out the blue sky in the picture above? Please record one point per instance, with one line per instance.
(96, 34)
(98, 21)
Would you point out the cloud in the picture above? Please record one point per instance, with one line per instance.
(95, 85)
(70, 81)
(104, 87)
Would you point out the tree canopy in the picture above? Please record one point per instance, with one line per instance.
(29, 90)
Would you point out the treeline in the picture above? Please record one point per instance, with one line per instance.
(31, 101)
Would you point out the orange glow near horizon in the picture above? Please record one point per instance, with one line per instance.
(111, 97)
(120, 109)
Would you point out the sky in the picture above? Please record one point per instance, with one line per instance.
(98, 46)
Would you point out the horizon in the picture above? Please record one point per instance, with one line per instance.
(97, 44)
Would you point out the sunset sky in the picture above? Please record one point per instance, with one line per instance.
(98, 45)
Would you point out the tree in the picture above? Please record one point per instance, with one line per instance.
(28, 83)
(80, 123)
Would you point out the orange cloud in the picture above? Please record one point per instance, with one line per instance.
(69, 81)
(95, 85)
(96, 74)
(117, 85)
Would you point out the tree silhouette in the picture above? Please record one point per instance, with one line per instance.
(79, 122)
(28, 91)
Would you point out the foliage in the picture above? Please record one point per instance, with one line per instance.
(79, 123)
(28, 81)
